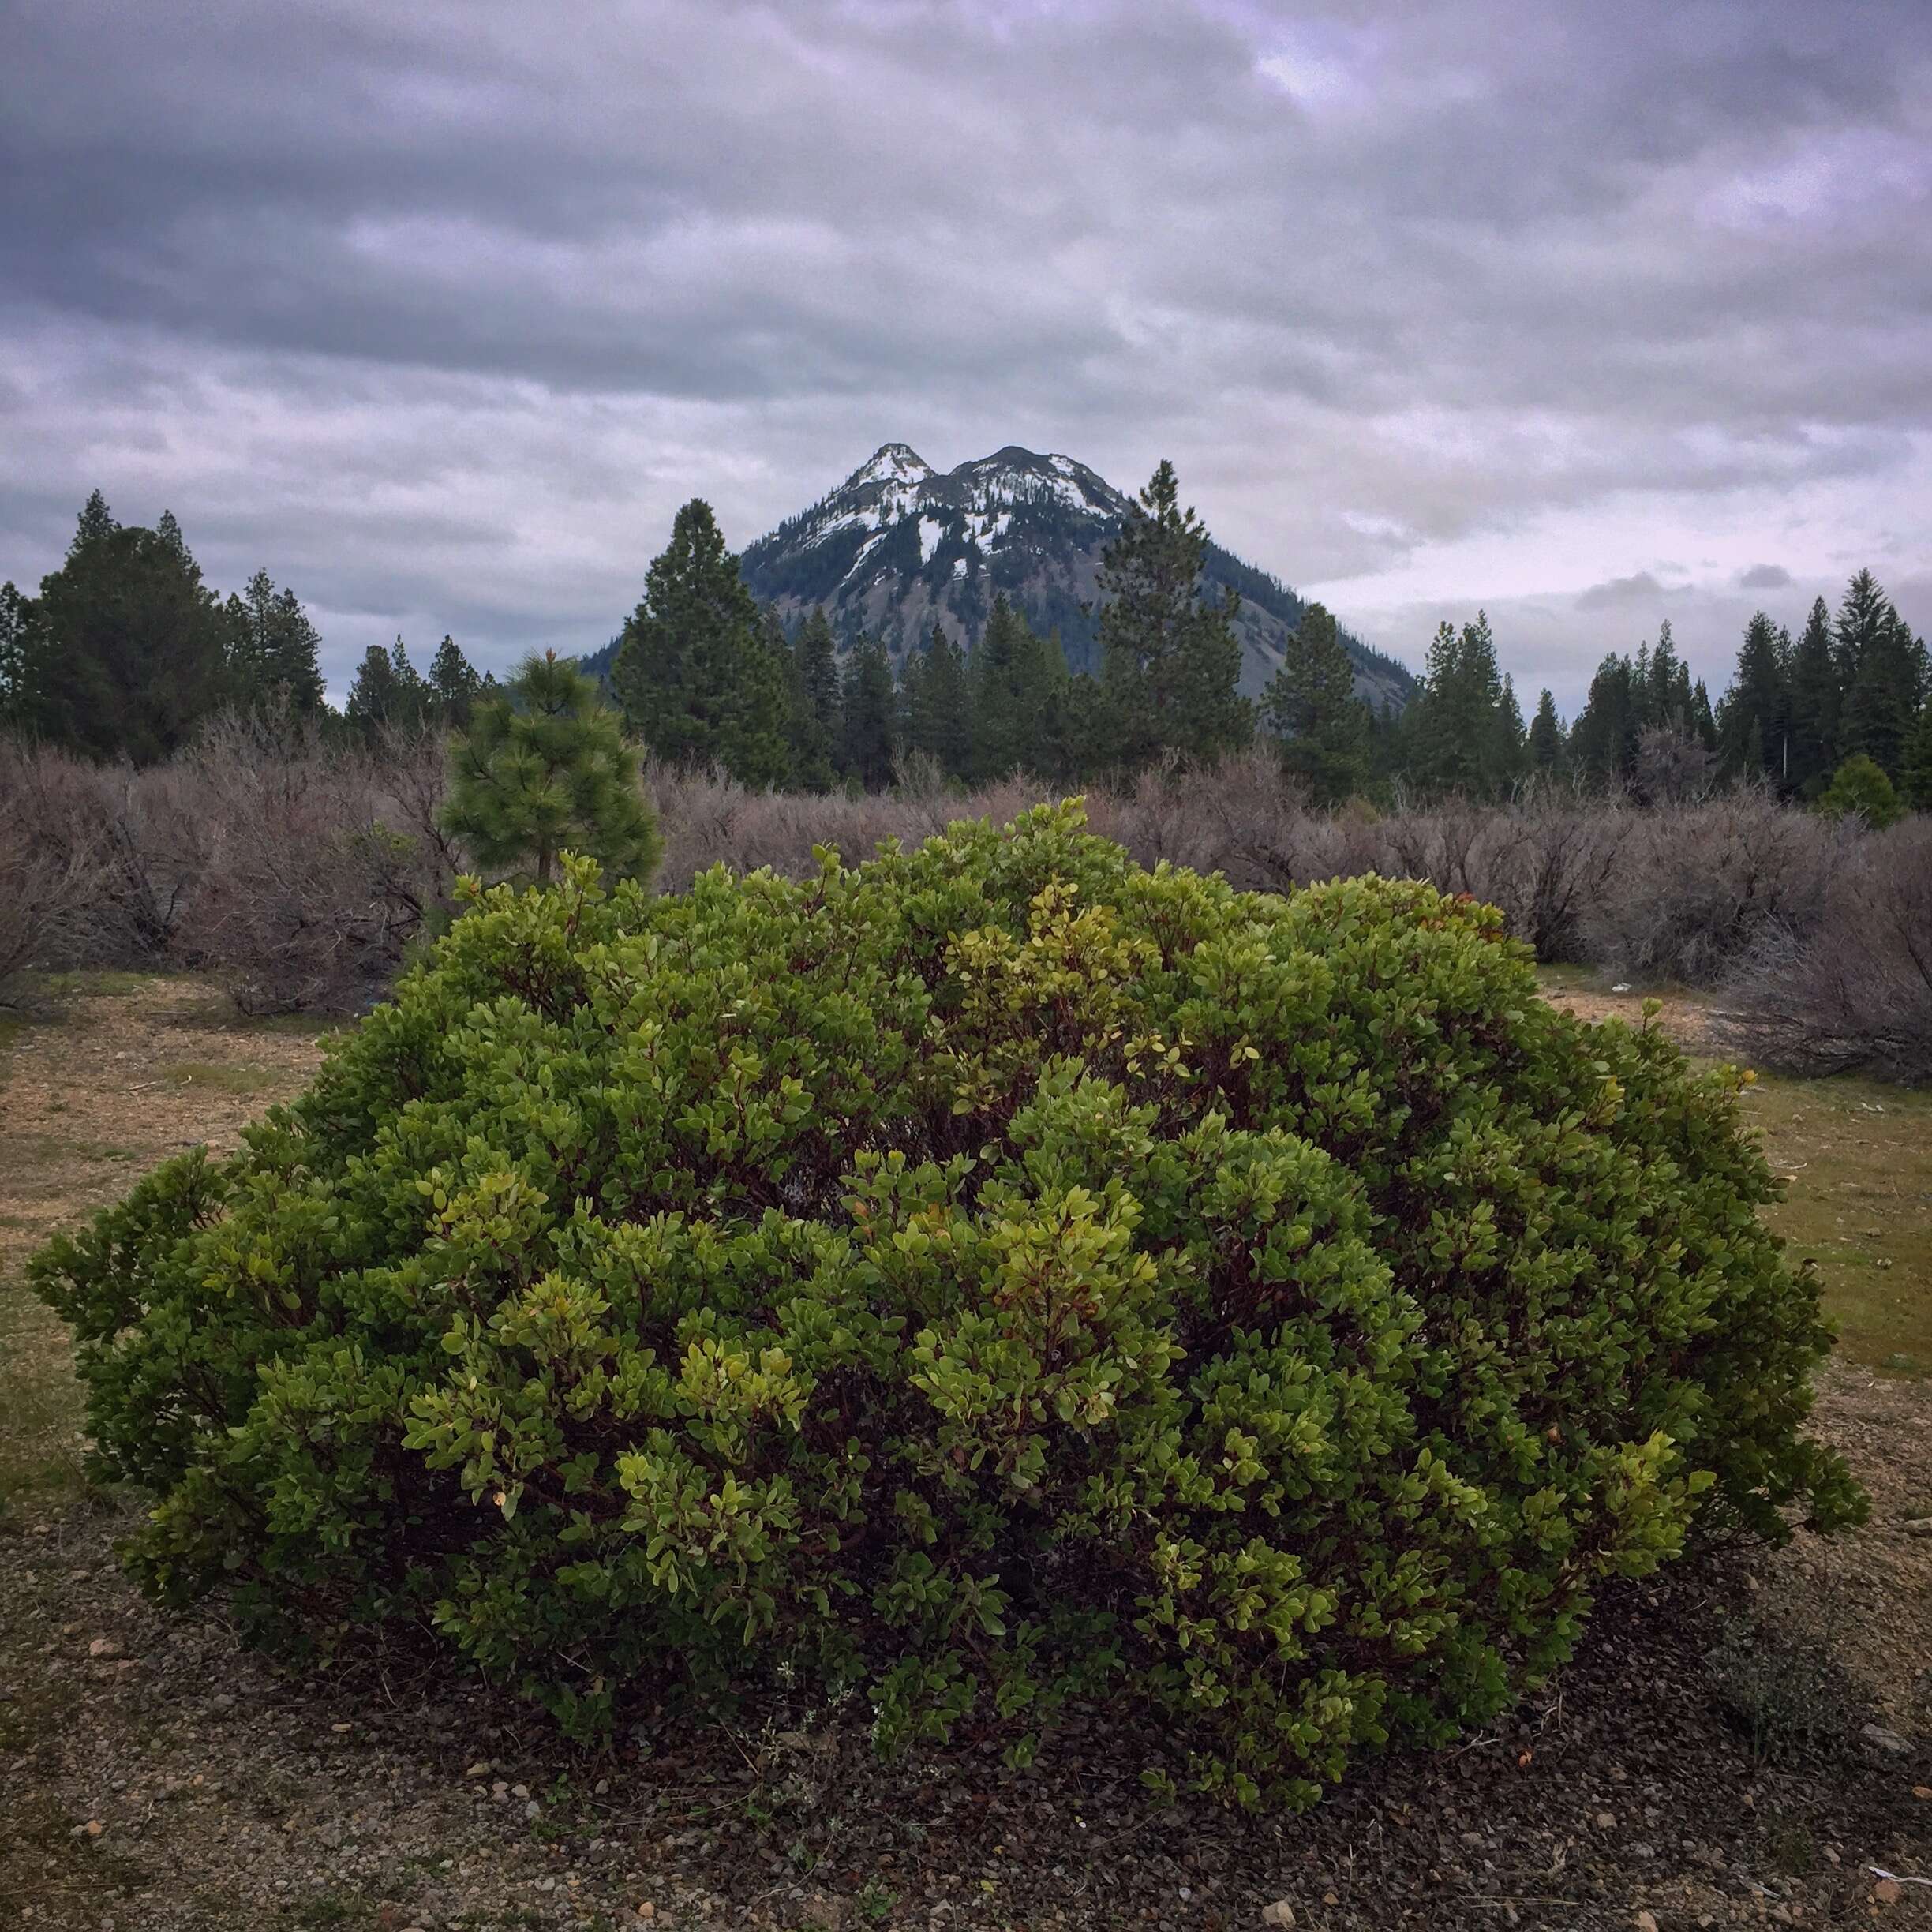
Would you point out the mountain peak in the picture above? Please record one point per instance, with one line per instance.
(891, 463)
(900, 546)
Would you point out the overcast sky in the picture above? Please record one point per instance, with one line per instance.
(1592, 314)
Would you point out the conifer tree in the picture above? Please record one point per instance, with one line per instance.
(1510, 734)
(274, 649)
(453, 684)
(698, 679)
(373, 696)
(1754, 717)
(1311, 706)
(868, 717)
(1703, 721)
(388, 691)
(1882, 702)
(1543, 747)
(1461, 732)
(939, 711)
(1171, 663)
(1016, 678)
(127, 649)
(1860, 787)
(1817, 697)
(1603, 739)
(544, 768)
(17, 618)
(1915, 782)
(813, 704)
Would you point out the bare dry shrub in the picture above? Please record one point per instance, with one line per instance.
(74, 888)
(1853, 992)
(314, 863)
(1699, 885)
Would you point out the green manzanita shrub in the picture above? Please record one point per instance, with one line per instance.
(991, 1276)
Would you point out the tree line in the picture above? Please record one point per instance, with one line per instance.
(125, 649)
(127, 652)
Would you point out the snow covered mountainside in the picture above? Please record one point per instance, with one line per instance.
(898, 547)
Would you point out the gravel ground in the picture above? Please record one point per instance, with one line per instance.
(1741, 1741)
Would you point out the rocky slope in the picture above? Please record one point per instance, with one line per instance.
(899, 546)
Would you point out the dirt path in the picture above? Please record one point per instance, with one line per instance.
(155, 1778)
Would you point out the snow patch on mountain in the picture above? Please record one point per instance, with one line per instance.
(899, 546)
(891, 463)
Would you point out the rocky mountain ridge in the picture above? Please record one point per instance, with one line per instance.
(899, 546)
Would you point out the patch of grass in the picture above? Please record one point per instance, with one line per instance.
(40, 1438)
(334, 1908)
(57, 1150)
(1856, 1160)
(101, 982)
(1782, 1692)
(221, 1076)
(291, 1026)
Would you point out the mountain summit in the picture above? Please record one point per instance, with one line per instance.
(899, 546)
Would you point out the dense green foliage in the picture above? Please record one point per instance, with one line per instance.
(1170, 660)
(124, 653)
(993, 1275)
(1629, 698)
(273, 649)
(125, 650)
(1860, 786)
(1851, 686)
(1311, 706)
(695, 673)
(544, 766)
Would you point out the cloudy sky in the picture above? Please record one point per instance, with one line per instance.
(1592, 314)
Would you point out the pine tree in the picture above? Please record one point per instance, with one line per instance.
(1509, 735)
(1461, 733)
(17, 647)
(1171, 664)
(454, 685)
(1754, 717)
(1665, 692)
(1882, 702)
(1915, 785)
(389, 692)
(1311, 706)
(1703, 719)
(1817, 687)
(1603, 740)
(1860, 787)
(697, 678)
(868, 716)
(1016, 678)
(126, 651)
(812, 683)
(1544, 748)
(544, 768)
(274, 651)
(939, 708)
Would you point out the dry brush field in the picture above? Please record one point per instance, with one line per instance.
(1701, 1764)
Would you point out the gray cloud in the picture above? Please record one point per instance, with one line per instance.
(438, 311)
(1765, 577)
(1641, 587)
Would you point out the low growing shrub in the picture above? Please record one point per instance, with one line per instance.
(1852, 992)
(1696, 886)
(992, 1276)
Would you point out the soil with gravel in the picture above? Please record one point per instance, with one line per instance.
(1745, 1739)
